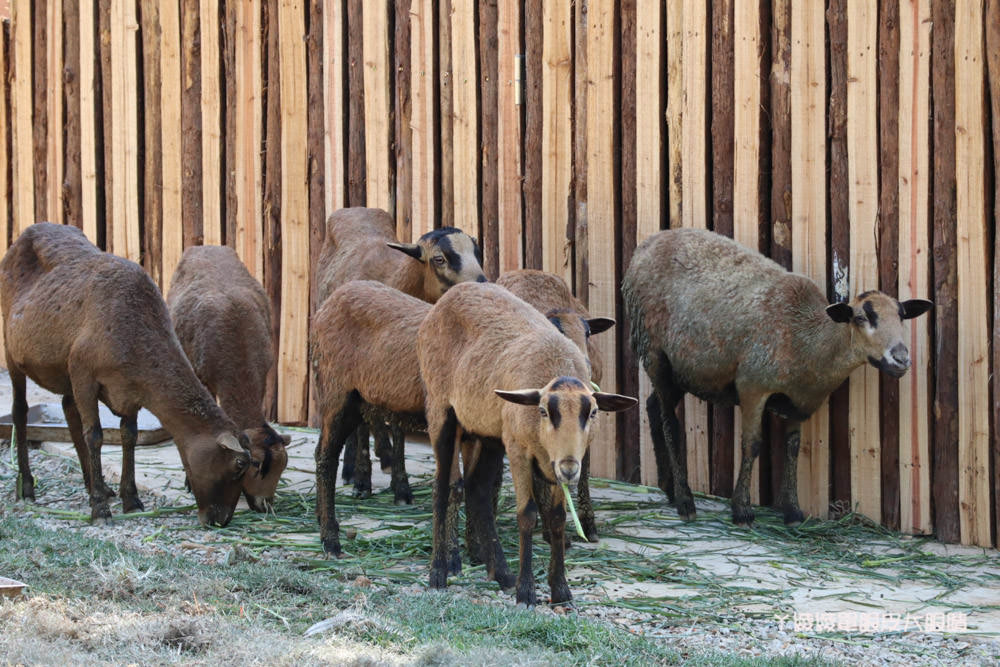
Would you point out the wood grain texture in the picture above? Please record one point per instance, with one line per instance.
(695, 212)
(914, 262)
(54, 109)
(229, 136)
(557, 133)
(88, 122)
(192, 184)
(316, 166)
(722, 442)
(39, 100)
(125, 140)
(333, 103)
(70, 183)
(649, 182)
(357, 133)
(509, 90)
(944, 455)
(379, 191)
(211, 123)
(993, 68)
(532, 156)
(746, 203)
(172, 127)
(888, 72)
(675, 100)
(808, 169)
(464, 117)
(247, 164)
(292, 359)
(972, 253)
(488, 47)
(152, 160)
(272, 201)
(602, 204)
(403, 114)
(862, 167)
(424, 126)
(21, 105)
(577, 223)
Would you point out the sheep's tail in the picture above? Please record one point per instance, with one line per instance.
(637, 335)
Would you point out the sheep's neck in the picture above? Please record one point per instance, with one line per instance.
(410, 278)
(181, 402)
(830, 346)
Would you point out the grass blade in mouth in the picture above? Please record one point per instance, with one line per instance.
(572, 511)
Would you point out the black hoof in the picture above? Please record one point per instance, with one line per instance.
(526, 596)
(506, 581)
(686, 510)
(455, 562)
(404, 496)
(561, 594)
(331, 547)
(347, 474)
(361, 492)
(438, 578)
(385, 462)
(100, 515)
(793, 517)
(743, 516)
(130, 505)
(26, 490)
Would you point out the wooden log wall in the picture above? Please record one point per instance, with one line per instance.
(561, 135)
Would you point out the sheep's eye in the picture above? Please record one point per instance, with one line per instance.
(543, 412)
(593, 413)
(438, 259)
(861, 320)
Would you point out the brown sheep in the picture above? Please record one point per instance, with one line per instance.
(550, 294)
(360, 244)
(222, 318)
(92, 326)
(714, 319)
(484, 356)
(382, 371)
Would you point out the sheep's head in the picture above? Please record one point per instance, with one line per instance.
(878, 331)
(449, 255)
(566, 409)
(215, 468)
(260, 482)
(579, 329)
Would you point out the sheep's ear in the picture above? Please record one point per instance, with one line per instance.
(414, 250)
(914, 307)
(600, 324)
(613, 402)
(840, 312)
(229, 441)
(521, 396)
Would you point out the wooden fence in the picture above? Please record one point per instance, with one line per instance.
(852, 141)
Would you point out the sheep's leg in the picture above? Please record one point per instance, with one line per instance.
(788, 497)
(481, 517)
(664, 477)
(335, 429)
(456, 491)
(401, 492)
(350, 454)
(527, 515)
(79, 443)
(385, 446)
(584, 506)
(441, 426)
(363, 463)
(752, 413)
(19, 436)
(555, 517)
(674, 450)
(471, 451)
(126, 489)
(85, 397)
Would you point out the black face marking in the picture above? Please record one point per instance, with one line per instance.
(554, 415)
(558, 323)
(870, 312)
(585, 410)
(902, 311)
(586, 327)
(435, 235)
(566, 382)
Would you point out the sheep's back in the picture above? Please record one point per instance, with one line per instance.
(364, 338)
(355, 249)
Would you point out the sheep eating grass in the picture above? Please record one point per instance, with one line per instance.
(714, 319)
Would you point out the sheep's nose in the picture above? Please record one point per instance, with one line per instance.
(569, 469)
(214, 516)
(482, 279)
(900, 355)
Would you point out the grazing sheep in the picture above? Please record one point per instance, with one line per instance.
(714, 319)
(550, 294)
(222, 318)
(382, 372)
(360, 244)
(484, 355)
(92, 326)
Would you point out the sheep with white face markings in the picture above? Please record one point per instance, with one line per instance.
(712, 318)
(361, 244)
(496, 368)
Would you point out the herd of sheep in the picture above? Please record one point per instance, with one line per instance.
(414, 337)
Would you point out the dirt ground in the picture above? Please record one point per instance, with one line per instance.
(870, 597)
